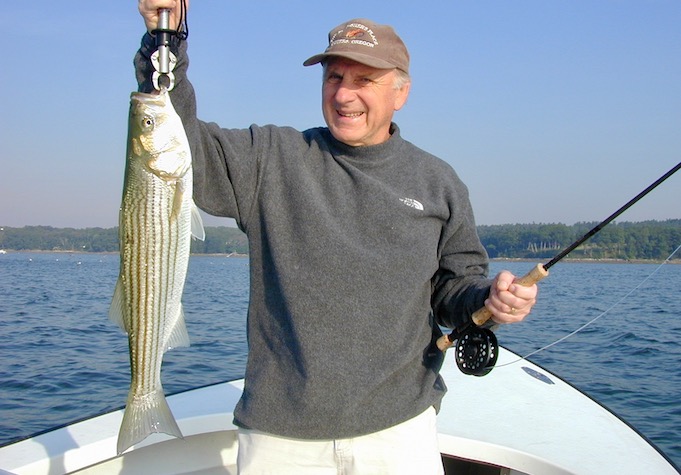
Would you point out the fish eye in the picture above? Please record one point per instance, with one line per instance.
(147, 122)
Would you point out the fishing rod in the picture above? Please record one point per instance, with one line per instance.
(477, 348)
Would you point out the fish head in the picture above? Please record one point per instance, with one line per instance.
(157, 136)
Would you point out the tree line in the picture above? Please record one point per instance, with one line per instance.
(654, 240)
(219, 240)
(627, 240)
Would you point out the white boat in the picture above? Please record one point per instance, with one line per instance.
(519, 419)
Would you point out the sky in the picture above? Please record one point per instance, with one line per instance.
(550, 111)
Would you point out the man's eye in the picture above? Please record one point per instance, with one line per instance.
(334, 78)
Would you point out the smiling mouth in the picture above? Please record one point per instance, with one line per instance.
(349, 115)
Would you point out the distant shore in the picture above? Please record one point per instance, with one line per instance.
(582, 260)
(496, 259)
(625, 242)
(67, 252)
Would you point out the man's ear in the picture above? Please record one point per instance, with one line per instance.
(401, 96)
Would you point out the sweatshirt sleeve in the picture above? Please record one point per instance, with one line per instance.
(225, 161)
(460, 285)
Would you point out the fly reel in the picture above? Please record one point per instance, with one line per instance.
(477, 351)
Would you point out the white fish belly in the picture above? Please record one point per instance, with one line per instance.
(155, 254)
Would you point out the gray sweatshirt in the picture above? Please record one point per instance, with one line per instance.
(357, 254)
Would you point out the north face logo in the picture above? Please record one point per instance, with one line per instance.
(412, 203)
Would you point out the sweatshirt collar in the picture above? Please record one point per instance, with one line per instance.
(368, 153)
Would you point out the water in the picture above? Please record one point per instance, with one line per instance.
(61, 359)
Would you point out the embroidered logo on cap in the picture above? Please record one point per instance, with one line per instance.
(354, 34)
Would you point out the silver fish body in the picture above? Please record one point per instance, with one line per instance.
(157, 219)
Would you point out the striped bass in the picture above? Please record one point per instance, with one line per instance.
(157, 219)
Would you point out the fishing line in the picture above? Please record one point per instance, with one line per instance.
(477, 347)
(578, 330)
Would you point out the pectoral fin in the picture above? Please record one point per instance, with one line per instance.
(116, 309)
(178, 335)
(197, 224)
(177, 203)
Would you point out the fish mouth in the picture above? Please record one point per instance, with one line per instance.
(149, 98)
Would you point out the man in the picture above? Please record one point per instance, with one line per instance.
(360, 245)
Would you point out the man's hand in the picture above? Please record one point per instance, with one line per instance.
(149, 11)
(508, 301)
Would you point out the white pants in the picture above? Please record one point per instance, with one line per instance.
(407, 448)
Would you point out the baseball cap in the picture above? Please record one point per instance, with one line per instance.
(366, 42)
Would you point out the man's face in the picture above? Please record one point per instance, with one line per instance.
(359, 101)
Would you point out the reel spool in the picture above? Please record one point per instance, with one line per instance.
(477, 351)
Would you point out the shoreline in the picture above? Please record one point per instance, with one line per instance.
(581, 260)
(567, 260)
(104, 253)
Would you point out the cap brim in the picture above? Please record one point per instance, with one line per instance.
(360, 58)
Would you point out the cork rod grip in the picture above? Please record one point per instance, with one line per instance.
(482, 315)
(529, 279)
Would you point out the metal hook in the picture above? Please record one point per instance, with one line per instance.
(162, 59)
(156, 58)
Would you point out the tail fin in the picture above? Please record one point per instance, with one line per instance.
(144, 415)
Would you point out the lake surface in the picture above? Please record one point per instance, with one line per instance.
(61, 359)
